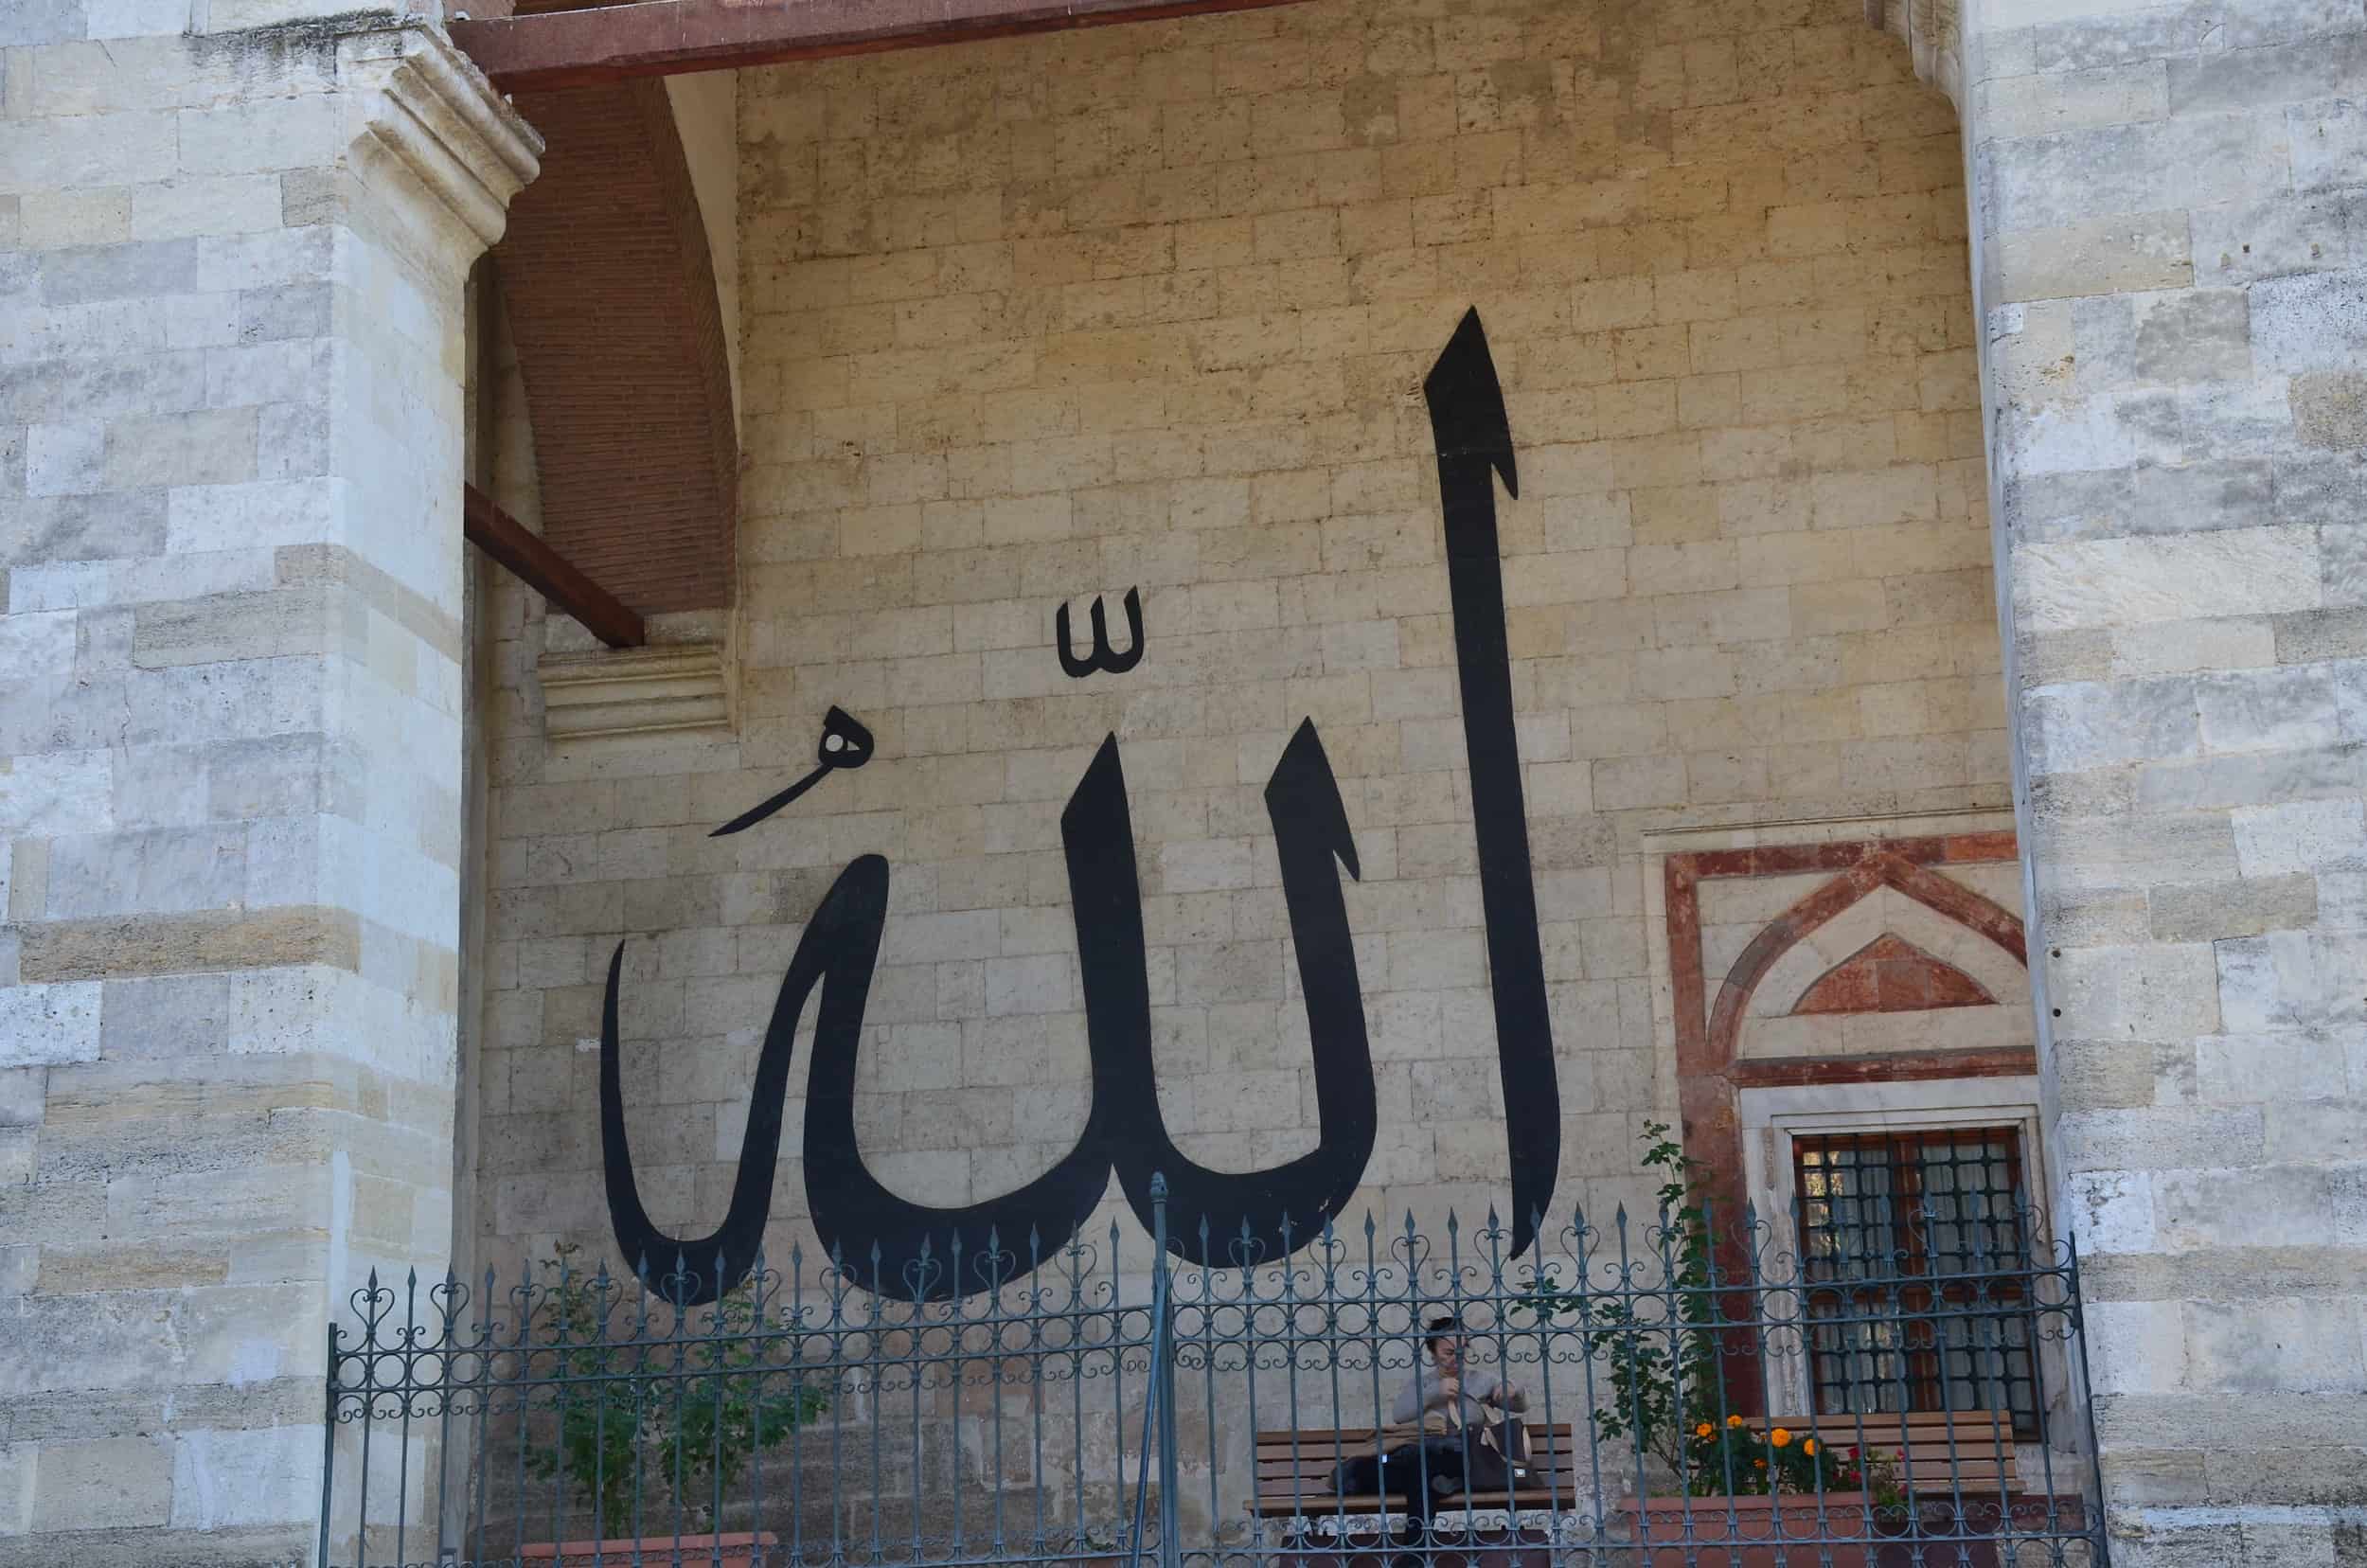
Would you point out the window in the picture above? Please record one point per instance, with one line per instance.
(1909, 1243)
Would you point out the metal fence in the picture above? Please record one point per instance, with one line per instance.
(1665, 1398)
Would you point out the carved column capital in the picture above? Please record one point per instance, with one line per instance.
(426, 131)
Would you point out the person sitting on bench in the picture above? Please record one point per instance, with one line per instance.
(1452, 1430)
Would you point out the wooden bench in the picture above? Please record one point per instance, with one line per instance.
(1979, 1464)
(1294, 1470)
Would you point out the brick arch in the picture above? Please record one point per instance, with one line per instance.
(610, 290)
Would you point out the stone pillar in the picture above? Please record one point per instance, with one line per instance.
(2171, 266)
(231, 366)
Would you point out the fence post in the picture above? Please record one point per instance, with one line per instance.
(1163, 1373)
(2077, 1339)
(328, 1445)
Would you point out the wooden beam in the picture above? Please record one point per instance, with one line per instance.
(574, 48)
(549, 573)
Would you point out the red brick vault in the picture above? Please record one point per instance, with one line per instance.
(610, 293)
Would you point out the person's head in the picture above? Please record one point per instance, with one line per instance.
(1444, 1336)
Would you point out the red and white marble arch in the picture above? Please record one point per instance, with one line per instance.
(1890, 974)
(1879, 866)
(1708, 1076)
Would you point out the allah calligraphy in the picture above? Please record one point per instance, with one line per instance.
(845, 744)
(883, 1240)
(1474, 440)
(1102, 656)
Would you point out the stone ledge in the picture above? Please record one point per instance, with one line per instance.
(423, 118)
(675, 691)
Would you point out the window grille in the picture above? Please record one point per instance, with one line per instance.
(1914, 1237)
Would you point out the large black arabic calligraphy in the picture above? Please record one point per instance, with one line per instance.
(883, 1240)
(1475, 439)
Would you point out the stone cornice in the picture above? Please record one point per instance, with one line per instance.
(422, 118)
(670, 691)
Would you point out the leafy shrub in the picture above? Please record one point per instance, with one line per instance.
(1667, 1392)
(644, 1417)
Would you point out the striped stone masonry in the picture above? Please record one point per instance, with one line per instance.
(230, 741)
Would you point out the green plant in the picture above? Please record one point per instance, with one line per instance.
(641, 1417)
(1666, 1386)
(1732, 1458)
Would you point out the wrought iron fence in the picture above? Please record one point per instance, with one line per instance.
(1628, 1395)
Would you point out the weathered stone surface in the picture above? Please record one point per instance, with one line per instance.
(2091, 724)
(2330, 410)
(2271, 234)
(2115, 581)
(2209, 910)
(95, 949)
(2271, 1345)
(183, 735)
(2310, 322)
(2145, 251)
(2218, 1165)
(45, 1024)
(2301, 836)
(243, 1478)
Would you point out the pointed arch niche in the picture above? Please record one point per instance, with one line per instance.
(1842, 954)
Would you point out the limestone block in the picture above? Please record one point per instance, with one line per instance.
(2118, 582)
(2266, 76)
(2016, 107)
(61, 459)
(2135, 1348)
(2205, 911)
(2156, 992)
(2179, 647)
(2113, 1211)
(2285, 710)
(223, 1478)
(2177, 1139)
(1043, 984)
(2328, 1129)
(2313, 635)
(2148, 250)
(2310, 322)
(2330, 410)
(38, 644)
(2271, 1345)
(2300, 836)
(113, 1484)
(48, 1025)
(2291, 978)
(2089, 725)
(87, 152)
(2151, 167)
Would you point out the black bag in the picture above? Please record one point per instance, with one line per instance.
(1499, 1456)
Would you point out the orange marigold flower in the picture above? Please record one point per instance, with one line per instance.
(1734, 1420)
(1761, 1462)
(1778, 1437)
(1809, 1447)
(1703, 1430)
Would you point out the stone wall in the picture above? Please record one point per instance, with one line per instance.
(230, 392)
(1029, 322)
(2173, 277)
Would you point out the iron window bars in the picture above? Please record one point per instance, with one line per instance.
(1943, 1206)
